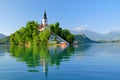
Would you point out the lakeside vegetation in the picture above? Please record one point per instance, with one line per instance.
(63, 33)
(30, 35)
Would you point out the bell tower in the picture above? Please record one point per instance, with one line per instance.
(44, 20)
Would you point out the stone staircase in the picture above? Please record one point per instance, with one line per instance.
(58, 38)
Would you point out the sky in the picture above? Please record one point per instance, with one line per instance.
(95, 15)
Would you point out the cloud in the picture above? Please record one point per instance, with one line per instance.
(82, 27)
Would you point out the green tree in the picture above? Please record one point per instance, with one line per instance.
(44, 36)
(56, 28)
(65, 34)
(70, 38)
(52, 28)
(12, 40)
(26, 35)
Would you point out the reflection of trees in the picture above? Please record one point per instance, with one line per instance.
(3, 51)
(4, 48)
(40, 55)
(59, 55)
(43, 55)
(82, 47)
(25, 54)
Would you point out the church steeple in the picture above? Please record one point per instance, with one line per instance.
(44, 20)
(45, 15)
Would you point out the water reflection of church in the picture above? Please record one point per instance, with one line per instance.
(44, 63)
(61, 55)
(52, 51)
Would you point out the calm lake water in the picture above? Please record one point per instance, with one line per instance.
(81, 62)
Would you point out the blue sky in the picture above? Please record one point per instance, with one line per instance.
(95, 15)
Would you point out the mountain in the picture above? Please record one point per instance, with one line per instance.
(92, 35)
(82, 39)
(2, 36)
(113, 35)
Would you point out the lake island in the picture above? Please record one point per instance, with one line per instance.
(36, 34)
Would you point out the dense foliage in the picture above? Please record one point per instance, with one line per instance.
(65, 34)
(29, 35)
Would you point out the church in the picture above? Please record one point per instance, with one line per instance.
(53, 38)
(44, 24)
